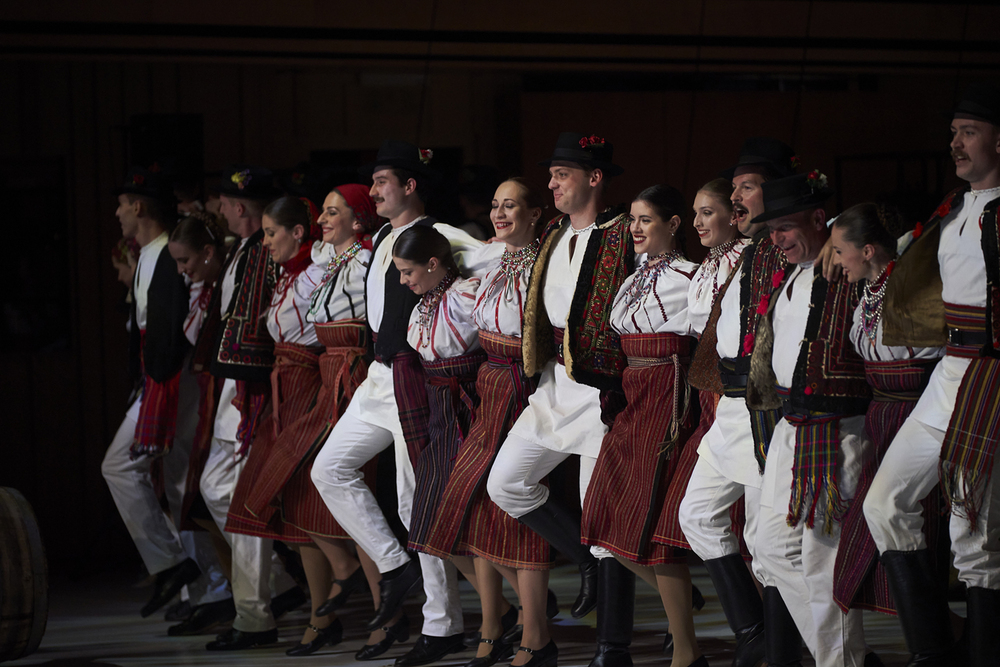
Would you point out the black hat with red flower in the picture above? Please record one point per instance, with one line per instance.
(981, 101)
(773, 158)
(403, 155)
(146, 183)
(592, 152)
(800, 192)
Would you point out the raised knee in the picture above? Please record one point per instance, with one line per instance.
(499, 493)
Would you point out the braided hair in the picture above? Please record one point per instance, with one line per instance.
(877, 224)
(198, 230)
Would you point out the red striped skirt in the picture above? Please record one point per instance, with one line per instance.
(275, 496)
(639, 455)
(451, 396)
(208, 402)
(859, 580)
(467, 520)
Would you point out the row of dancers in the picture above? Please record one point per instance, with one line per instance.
(810, 410)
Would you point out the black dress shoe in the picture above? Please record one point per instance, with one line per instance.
(237, 640)
(331, 635)
(347, 586)
(169, 583)
(541, 657)
(204, 618)
(180, 611)
(668, 645)
(392, 592)
(400, 632)
(291, 599)
(431, 649)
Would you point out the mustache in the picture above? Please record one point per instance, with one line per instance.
(959, 154)
(740, 208)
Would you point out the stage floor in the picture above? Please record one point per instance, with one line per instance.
(96, 623)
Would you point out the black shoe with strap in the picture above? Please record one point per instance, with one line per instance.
(348, 586)
(393, 591)
(331, 635)
(502, 648)
(547, 656)
(398, 632)
(237, 640)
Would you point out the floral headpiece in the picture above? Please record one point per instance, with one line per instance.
(796, 162)
(426, 155)
(816, 180)
(241, 179)
(138, 179)
(593, 141)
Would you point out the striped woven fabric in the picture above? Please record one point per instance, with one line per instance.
(965, 318)
(409, 386)
(274, 495)
(970, 442)
(451, 393)
(859, 580)
(208, 400)
(468, 521)
(252, 400)
(641, 452)
(157, 420)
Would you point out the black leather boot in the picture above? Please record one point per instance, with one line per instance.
(615, 614)
(742, 606)
(982, 628)
(782, 641)
(922, 607)
(561, 529)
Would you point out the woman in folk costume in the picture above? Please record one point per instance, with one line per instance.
(467, 521)
(274, 496)
(864, 243)
(640, 454)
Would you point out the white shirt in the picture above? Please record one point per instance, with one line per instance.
(473, 258)
(343, 296)
(196, 312)
(450, 332)
(790, 317)
(228, 282)
(149, 254)
(659, 306)
(500, 301)
(711, 276)
(727, 329)
(960, 252)
(286, 316)
(561, 274)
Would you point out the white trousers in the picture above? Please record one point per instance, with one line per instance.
(800, 560)
(257, 571)
(360, 435)
(704, 515)
(892, 507)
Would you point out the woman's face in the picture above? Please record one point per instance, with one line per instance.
(421, 278)
(712, 220)
(282, 243)
(192, 263)
(849, 256)
(513, 221)
(126, 270)
(650, 233)
(337, 219)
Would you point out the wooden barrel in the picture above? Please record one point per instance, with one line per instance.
(24, 578)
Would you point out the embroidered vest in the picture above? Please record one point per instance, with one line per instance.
(759, 261)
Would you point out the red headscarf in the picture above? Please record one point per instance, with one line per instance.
(362, 204)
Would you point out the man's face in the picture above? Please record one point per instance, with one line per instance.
(389, 194)
(748, 200)
(127, 214)
(570, 185)
(800, 235)
(229, 210)
(975, 148)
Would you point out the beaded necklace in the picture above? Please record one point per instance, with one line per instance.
(336, 263)
(711, 267)
(872, 300)
(646, 277)
(513, 263)
(428, 305)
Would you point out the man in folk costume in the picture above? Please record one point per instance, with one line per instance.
(157, 348)
(586, 254)
(240, 352)
(731, 455)
(390, 409)
(952, 433)
(804, 362)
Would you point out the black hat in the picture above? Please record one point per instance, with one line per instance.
(776, 157)
(980, 101)
(146, 183)
(403, 155)
(592, 151)
(799, 192)
(309, 181)
(245, 181)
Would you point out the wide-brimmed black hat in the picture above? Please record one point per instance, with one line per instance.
(800, 192)
(592, 152)
(980, 101)
(774, 157)
(403, 155)
(246, 181)
(146, 183)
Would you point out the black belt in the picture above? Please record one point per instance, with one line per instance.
(730, 378)
(966, 338)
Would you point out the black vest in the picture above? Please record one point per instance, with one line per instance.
(399, 303)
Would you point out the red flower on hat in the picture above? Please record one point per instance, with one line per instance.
(816, 180)
(426, 155)
(796, 163)
(155, 167)
(591, 141)
(138, 179)
(918, 229)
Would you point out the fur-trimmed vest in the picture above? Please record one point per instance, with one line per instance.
(829, 374)
(591, 348)
(245, 349)
(758, 263)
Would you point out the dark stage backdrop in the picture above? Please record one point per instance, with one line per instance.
(857, 88)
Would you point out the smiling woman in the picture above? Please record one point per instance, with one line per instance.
(286, 225)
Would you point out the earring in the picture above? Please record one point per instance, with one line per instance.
(430, 270)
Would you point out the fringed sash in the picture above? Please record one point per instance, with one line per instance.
(157, 421)
(452, 373)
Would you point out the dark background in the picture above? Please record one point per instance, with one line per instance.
(85, 87)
